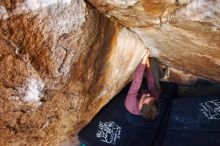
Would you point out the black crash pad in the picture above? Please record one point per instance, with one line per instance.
(194, 122)
(114, 125)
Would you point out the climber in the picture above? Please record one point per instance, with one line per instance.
(141, 101)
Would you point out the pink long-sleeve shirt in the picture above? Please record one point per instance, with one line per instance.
(133, 96)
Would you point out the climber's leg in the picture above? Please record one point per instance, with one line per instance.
(158, 74)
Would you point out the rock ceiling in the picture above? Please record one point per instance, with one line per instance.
(183, 34)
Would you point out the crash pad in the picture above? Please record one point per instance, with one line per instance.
(114, 125)
(194, 121)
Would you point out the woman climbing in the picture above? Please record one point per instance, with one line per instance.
(141, 101)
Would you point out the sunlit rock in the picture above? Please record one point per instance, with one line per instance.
(183, 34)
(60, 62)
(122, 3)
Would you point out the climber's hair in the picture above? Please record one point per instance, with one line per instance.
(150, 110)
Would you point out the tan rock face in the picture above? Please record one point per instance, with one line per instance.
(60, 62)
(183, 34)
(140, 13)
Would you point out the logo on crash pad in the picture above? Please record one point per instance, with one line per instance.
(211, 109)
(108, 132)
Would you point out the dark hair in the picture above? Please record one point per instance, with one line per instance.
(150, 110)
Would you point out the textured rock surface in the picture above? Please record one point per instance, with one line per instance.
(60, 62)
(183, 34)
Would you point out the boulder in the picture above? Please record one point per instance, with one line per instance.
(60, 62)
(183, 34)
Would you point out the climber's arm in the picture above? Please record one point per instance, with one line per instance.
(151, 81)
(131, 101)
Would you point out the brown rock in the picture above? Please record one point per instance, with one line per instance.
(60, 63)
(138, 13)
(183, 34)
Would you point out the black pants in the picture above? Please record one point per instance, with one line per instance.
(157, 72)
